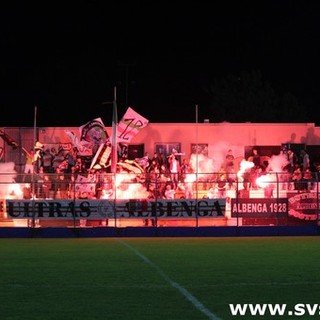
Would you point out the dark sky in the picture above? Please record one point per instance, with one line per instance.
(67, 60)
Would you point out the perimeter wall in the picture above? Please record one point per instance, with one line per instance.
(219, 137)
(213, 139)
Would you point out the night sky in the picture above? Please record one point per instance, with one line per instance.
(67, 59)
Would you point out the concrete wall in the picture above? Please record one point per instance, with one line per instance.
(219, 136)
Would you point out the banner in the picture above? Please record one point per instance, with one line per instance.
(130, 125)
(259, 207)
(126, 209)
(85, 184)
(303, 206)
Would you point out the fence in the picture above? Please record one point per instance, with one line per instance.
(122, 200)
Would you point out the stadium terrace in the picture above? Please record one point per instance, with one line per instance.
(119, 188)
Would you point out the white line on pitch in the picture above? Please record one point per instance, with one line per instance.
(174, 284)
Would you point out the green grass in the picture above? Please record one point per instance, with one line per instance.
(141, 278)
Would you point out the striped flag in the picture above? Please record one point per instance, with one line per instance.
(100, 160)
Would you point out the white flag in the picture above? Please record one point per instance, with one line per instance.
(130, 125)
(93, 132)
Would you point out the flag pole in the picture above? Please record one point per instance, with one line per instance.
(114, 134)
(35, 124)
(33, 189)
(197, 164)
(197, 156)
(114, 158)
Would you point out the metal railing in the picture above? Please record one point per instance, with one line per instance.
(203, 199)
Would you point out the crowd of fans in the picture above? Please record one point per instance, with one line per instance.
(55, 175)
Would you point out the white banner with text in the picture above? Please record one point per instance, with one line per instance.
(111, 209)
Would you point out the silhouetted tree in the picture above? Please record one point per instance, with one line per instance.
(249, 98)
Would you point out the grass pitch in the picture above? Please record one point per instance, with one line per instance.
(154, 278)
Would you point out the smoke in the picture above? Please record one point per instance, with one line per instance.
(277, 163)
(7, 177)
(204, 164)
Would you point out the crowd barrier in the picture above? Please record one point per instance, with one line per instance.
(125, 200)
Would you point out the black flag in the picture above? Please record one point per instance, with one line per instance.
(8, 139)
